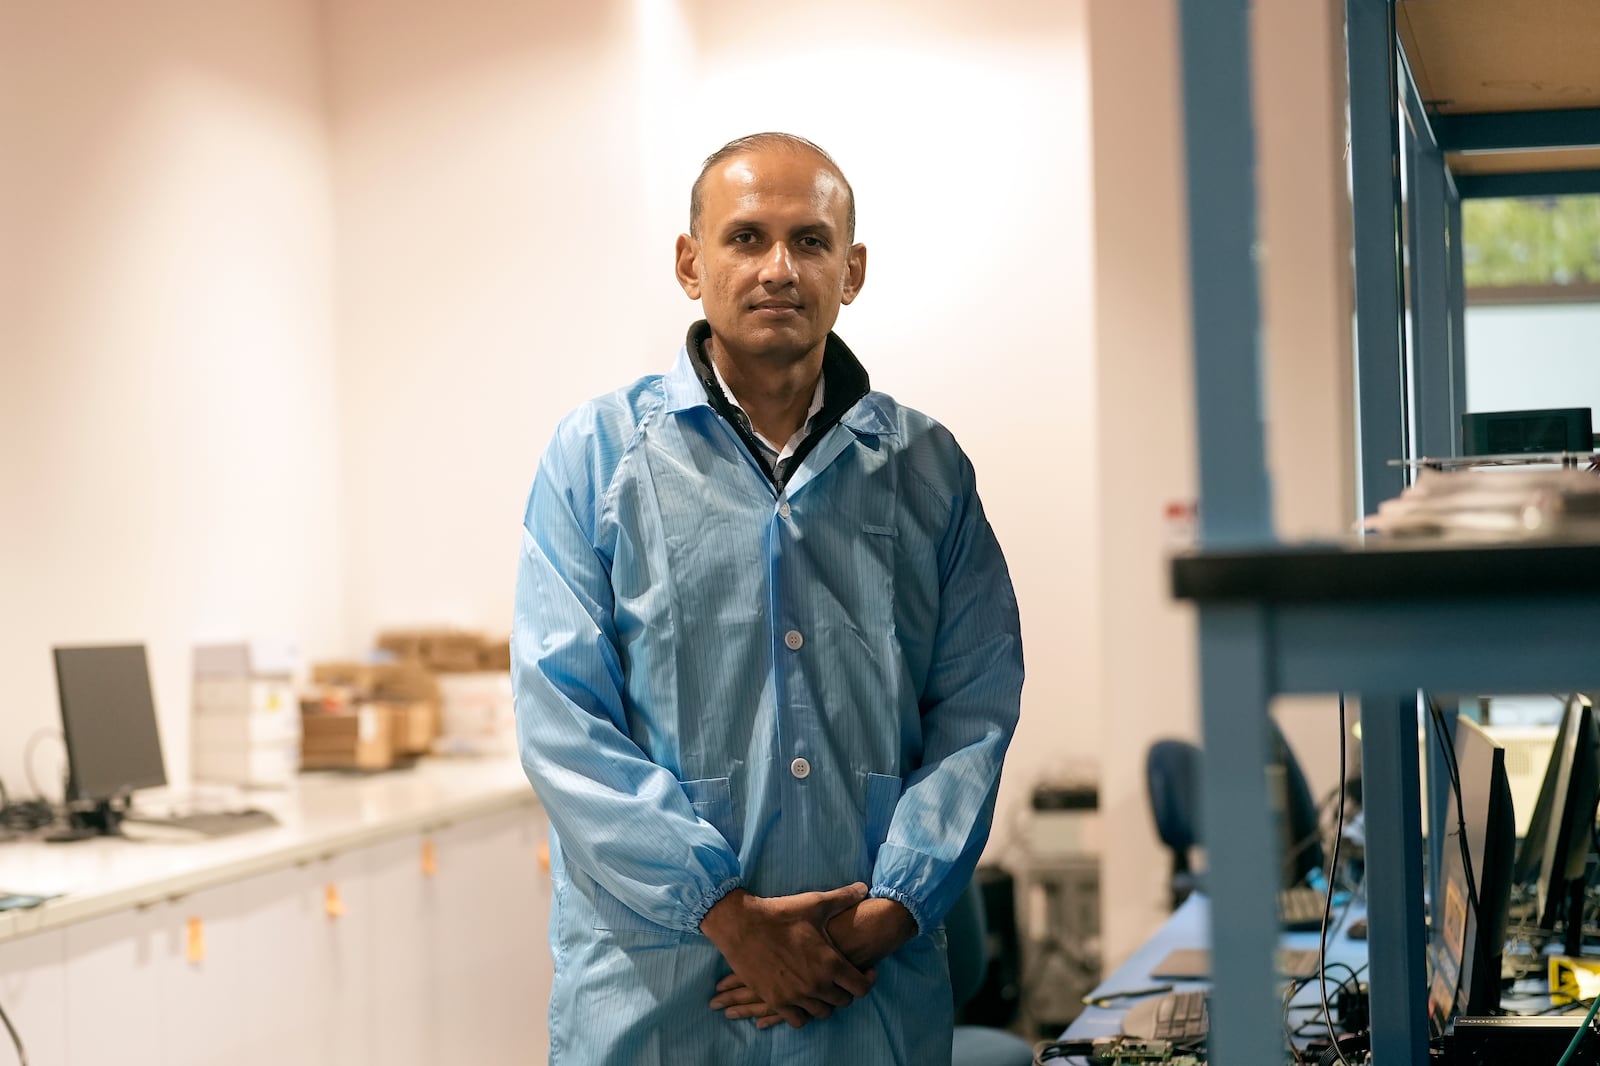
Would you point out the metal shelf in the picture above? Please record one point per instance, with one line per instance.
(1277, 619)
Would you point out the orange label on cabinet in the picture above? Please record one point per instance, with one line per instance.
(430, 858)
(331, 903)
(196, 951)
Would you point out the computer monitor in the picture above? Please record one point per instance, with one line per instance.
(1465, 944)
(1557, 770)
(1570, 826)
(108, 718)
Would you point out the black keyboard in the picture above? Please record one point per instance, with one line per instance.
(1181, 1018)
(1300, 908)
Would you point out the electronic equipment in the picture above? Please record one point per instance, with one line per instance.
(1301, 908)
(108, 719)
(1497, 1041)
(1465, 942)
(1555, 851)
(1562, 429)
(1194, 964)
(1181, 1018)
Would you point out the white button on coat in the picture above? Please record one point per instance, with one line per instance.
(793, 639)
(783, 509)
(800, 768)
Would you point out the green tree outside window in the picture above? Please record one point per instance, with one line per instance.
(1536, 241)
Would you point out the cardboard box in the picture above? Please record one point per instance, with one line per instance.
(495, 656)
(358, 676)
(360, 739)
(413, 725)
(440, 650)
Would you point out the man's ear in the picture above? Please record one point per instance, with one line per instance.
(688, 265)
(855, 273)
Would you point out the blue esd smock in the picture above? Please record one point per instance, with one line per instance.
(723, 684)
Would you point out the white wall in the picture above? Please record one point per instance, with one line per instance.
(1522, 357)
(167, 409)
(1148, 670)
(509, 188)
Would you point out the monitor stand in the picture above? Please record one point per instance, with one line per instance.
(1574, 923)
(104, 819)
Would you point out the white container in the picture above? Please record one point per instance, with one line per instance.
(231, 695)
(477, 715)
(247, 658)
(260, 765)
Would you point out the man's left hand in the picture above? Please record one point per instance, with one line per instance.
(866, 933)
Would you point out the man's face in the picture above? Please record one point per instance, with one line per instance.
(771, 265)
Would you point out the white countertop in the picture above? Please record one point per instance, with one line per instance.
(324, 815)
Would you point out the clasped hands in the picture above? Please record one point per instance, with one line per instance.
(796, 958)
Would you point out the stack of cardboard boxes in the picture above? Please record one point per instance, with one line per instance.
(368, 716)
(245, 729)
(474, 676)
(441, 690)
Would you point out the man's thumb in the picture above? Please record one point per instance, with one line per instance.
(838, 899)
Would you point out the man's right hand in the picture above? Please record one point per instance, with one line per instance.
(778, 947)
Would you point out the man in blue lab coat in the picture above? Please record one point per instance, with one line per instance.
(767, 664)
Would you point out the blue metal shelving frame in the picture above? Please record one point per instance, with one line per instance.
(1384, 649)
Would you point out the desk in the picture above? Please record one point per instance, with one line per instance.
(398, 918)
(1190, 927)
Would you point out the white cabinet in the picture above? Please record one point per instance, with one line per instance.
(112, 982)
(424, 949)
(33, 991)
(491, 906)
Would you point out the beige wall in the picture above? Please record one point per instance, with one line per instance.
(167, 406)
(1148, 668)
(509, 188)
(291, 298)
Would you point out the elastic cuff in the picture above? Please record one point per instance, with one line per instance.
(711, 899)
(912, 905)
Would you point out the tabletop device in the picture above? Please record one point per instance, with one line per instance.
(108, 718)
(1556, 849)
(1181, 1017)
(1561, 429)
(1465, 942)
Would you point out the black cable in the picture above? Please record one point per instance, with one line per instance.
(1327, 906)
(27, 755)
(22, 1056)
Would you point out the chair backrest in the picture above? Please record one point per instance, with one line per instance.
(1172, 774)
(1172, 768)
(968, 934)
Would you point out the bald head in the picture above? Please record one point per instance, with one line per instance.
(757, 142)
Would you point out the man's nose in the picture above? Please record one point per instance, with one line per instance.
(778, 267)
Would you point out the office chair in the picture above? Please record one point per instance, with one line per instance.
(1172, 774)
(968, 934)
(1172, 771)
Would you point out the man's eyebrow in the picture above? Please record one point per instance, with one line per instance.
(817, 226)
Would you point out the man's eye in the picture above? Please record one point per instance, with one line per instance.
(744, 238)
(812, 242)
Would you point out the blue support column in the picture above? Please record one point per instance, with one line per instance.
(1389, 790)
(1456, 301)
(1375, 180)
(1242, 851)
(1235, 498)
(1430, 323)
